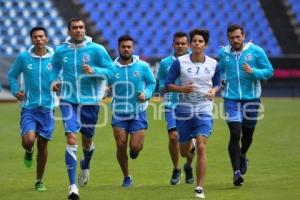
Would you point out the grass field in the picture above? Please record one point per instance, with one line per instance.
(274, 168)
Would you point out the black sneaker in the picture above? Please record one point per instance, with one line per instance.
(175, 179)
(188, 170)
(133, 154)
(237, 178)
(243, 164)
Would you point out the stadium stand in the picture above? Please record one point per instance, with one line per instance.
(18, 17)
(152, 23)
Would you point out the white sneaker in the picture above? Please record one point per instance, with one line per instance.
(83, 177)
(73, 192)
(199, 193)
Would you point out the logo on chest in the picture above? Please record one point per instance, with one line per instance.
(136, 74)
(227, 58)
(65, 59)
(86, 58)
(29, 66)
(49, 66)
(248, 57)
(207, 70)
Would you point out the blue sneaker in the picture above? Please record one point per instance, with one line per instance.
(243, 164)
(127, 181)
(237, 178)
(133, 154)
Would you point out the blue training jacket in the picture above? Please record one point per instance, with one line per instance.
(78, 87)
(239, 84)
(170, 98)
(128, 82)
(37, 81)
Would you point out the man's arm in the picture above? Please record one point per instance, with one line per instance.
(13, 75)
(222, 69)
(104, 66)
(161, 76)
(56, 68)
(216, 80)
(264, 70)
(150, 85)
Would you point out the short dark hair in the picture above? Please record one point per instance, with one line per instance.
(75, 19)
(125, 37)
(38, 28)
(233, 27)
(180, 34)
(203, 32)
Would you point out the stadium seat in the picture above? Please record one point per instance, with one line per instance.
(295, 8)
(21, 16)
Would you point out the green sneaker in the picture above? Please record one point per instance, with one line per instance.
(28, 159)
(39, 186)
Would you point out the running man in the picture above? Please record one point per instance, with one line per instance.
(82, 66)
(199, 78)
(37, 120)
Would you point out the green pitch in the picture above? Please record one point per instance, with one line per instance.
(273, 173)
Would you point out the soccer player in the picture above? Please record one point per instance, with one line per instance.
(180, 47)
(37, 121)
(199, 79)
(132, 86)
(242, 65)
(82, 66)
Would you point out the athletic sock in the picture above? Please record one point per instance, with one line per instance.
(71, 162)
(87, 156)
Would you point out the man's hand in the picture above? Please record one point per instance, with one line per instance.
(247, 68)
(20, 95)
(87, 69)
(211, 94)
(141, 97)
(56, 87)
(188, 88)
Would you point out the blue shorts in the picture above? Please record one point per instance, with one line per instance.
(38, 120)
(244, 111)
(79, 118)
(192, 125)
(170, 117)
(130, 122)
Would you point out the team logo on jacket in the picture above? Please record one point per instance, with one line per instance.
(29, 66)
(117, 75)
(227, 58)
(248, 57)
(86, 58)
(65, 59)
(136, 74)
(49, 66)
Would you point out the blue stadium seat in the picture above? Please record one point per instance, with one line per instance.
(151, 23)
(21, 16)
